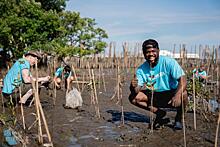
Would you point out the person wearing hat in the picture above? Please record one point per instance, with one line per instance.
(162, 80)
(20, 73)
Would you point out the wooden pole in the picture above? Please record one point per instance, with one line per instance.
(103, 78)
(151, 103)
(96, 98)
(54, 85)
(35, 91)
(217, 129)
(183, 115)
(74, 72)
(120, 95)
(92, 97)
(194, 101)
(22, 109)
(99, 75)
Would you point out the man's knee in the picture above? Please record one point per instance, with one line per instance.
(136, 98)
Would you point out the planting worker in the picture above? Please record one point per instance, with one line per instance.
(67, 74)
(163, 77)
(200, 73)
(20, 73)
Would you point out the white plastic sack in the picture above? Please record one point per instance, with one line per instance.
(73, 99)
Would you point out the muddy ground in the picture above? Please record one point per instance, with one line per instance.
(72, 128)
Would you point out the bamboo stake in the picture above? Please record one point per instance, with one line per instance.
(44, 120)
(183, 114)
(120, 93)
(151, 102)
(22, 109)
(118, 82)
(194, 102)
(217, 129)
(91, 86)
(40, 110)
(37, 99)
(96, 98)
(217, 64)
(83, 83)
(103, 78)
(74, 72)
(35, 91)
(99, 75)
(54, 85)
(151, 110)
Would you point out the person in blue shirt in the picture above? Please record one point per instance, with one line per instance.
(163, 78)
(200, 73)
(20, 73)
(67, 75)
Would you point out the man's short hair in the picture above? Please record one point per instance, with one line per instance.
(150, 43)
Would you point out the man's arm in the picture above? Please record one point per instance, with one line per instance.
(176, 100)
(28, 79)
(181, 85)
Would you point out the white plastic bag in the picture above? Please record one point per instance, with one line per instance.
(73, 99)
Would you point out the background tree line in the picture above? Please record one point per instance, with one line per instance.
(46, 25)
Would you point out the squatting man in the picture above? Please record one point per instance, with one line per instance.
(165, 78)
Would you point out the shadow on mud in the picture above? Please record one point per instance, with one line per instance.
(128, 116)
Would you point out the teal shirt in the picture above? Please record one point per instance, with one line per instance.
(14, 76)
(164, 76)
(198, 73)
(59, 72)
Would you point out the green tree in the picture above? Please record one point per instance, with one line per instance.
(57, 5)
(26, 24)
(82, 35)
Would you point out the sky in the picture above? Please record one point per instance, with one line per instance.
(190, 22)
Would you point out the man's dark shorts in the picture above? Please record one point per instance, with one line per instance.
(160, 99)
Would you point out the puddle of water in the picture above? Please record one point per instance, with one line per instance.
(87, 137)
(73, 142)
(105, 132)
(108, 132)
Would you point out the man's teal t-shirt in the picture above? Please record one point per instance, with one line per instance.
(14, 76)
(164, 76)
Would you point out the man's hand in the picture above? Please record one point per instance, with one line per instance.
(176, 100)
(46, 79)
(134, 81)
(134, 85)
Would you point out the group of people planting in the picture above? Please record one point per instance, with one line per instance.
(158, 83)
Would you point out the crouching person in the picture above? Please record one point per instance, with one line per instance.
(20, 73)
(165, 78)
(67, 74)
